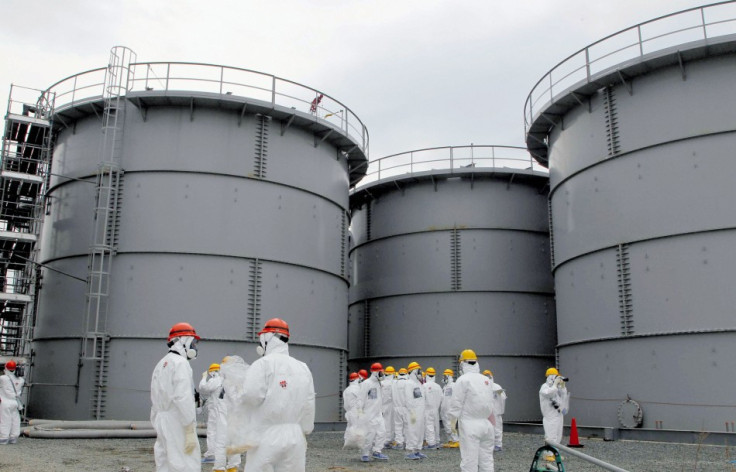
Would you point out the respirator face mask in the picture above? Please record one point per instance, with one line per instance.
(263, 340)
(190, 347)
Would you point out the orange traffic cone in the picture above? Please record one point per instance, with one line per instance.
(574, 441)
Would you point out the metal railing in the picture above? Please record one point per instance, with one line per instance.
(450, 158)
(700, 23)
(219, 80)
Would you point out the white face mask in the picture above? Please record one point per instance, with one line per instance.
(190, 346)
(263, 340)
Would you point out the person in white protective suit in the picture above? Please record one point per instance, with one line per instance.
(224, 410)
(173, 411)
(471, 411)
(387, 385)
(452, 437)
(433, 397)
(279, 392)
(401, 420)
(553, 401)
(11, 387)
(499, 406)
(351, 401)
(208, 388)
(370, 394)
(413, 398)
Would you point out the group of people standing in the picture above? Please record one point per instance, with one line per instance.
(265, 410)
(275, 394)
(403, 410)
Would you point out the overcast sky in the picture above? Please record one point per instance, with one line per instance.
(418, 73)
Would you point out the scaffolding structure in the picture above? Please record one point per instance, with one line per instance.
(25, 165)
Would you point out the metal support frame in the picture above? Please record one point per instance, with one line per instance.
(24, 176)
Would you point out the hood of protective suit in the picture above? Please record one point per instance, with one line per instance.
(468, 368)
(429, 379)
(274, 344)
(9, 372)
(183, 347)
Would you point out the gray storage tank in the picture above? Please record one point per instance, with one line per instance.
(215, 195)
(639, 131)
(450, 252)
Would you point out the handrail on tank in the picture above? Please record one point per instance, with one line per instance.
(449, 158)
(201, 77)
(543, 93)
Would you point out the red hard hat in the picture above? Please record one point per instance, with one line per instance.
(182, 329)
(11, 365)
(353, 376)
(276, 325)
(376, 367)
(363, 373)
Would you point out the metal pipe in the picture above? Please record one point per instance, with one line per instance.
(586, 457)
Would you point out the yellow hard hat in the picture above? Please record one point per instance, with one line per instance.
(488, 373)
(214, 367)
(551, 371)
(413, 366)
(430, 371)
(389, 370)
(448, 372)
(403, 371)
(468, 355)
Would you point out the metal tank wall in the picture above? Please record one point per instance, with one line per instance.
(453, 258)
(641, 159)
(233, 211)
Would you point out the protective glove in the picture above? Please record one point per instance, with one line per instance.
(190, 438)
(559, 383)
(412, 417)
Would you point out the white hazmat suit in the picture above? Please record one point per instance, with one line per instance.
(499, 406)
(387, 409)
(370, 394)
(433, 398)
(209, 389)
(553, 401)
(173, 412)
(452, 436)
(354, 432)
(400, 415)
(472, 408)
(413, 398)
(11, 387)
(279, 392)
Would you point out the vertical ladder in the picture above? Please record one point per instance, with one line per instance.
(108, 196)
(624, 290)
(25, 160)
(455, 261)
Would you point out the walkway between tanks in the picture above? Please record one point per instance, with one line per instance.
(325, 454)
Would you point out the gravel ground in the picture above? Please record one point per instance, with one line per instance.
(325, 454)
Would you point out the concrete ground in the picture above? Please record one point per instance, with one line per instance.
(325, 454)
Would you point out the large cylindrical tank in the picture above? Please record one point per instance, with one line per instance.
(233, 209)
(640, 146)
(451, 252)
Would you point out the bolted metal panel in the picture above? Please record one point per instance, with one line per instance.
(202, 237)
(650, 370)
(442, 263)
(641, 209)
(676, 188)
